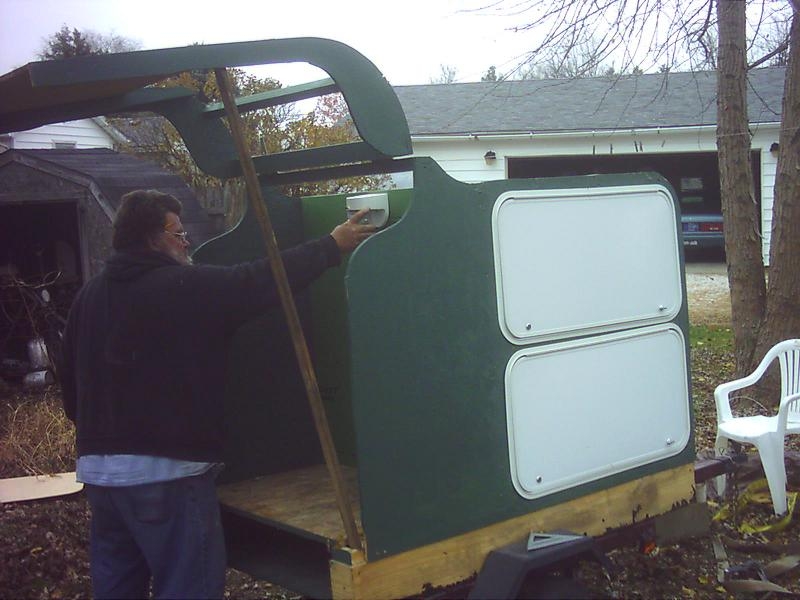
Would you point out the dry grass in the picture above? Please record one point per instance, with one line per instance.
(35, 436)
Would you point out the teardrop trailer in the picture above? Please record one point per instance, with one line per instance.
(484, 373)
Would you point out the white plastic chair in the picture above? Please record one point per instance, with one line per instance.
(766, 433)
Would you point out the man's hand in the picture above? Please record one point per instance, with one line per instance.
(352, 232)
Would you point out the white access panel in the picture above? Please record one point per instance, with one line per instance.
(581, 410)
(589, 260)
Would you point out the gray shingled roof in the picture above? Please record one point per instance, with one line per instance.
(559, 105)
(142, 130)
(116, 174)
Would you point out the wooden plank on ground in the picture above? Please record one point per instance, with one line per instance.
(36, 487)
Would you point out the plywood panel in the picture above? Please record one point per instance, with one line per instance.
(302, 499)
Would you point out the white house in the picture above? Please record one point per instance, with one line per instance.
(537, 128)
(81, 134)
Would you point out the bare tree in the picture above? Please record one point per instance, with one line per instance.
(572, 60)
(764, 311)
(644, 34)
(772, 46)
(782, 316)
(491, 75)
(447, 74)
(631, 33)
(739, 209)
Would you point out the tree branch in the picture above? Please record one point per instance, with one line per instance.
(781, 48)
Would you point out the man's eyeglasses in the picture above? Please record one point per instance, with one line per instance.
(182, 234)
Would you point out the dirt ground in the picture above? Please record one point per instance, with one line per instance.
(44, 552)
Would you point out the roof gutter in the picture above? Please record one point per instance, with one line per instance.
(511, 136)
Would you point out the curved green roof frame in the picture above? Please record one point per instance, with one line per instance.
(53, 91)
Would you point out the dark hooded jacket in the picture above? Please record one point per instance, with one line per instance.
(145, 346)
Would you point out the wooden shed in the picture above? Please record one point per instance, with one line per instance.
(56, 209)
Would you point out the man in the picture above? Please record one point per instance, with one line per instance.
(142, 380)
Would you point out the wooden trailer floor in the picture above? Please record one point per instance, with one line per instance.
(301, 501)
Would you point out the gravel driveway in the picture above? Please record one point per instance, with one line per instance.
(707, 290)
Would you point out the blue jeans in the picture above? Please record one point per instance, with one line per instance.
(170, 531)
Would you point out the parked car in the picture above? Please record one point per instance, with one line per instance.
(702, 231)
(701, 214)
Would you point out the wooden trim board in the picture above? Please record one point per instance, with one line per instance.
(460, 557)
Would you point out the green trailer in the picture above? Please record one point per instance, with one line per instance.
(486, 372)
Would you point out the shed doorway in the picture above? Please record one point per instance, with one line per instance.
(40, 272)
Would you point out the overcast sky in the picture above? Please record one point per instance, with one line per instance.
(407, 40)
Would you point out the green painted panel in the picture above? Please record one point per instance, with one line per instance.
(267, 416)
(428, 361)
(329, 329)
(277, 97)
(208, 140)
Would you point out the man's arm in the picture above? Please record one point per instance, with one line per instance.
(245, 290)
(306, 262)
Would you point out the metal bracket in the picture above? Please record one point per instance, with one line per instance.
(537, 541)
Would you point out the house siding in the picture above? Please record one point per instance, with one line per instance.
(84, 133)
(769, 166)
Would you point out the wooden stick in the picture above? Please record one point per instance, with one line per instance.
(290, 310)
